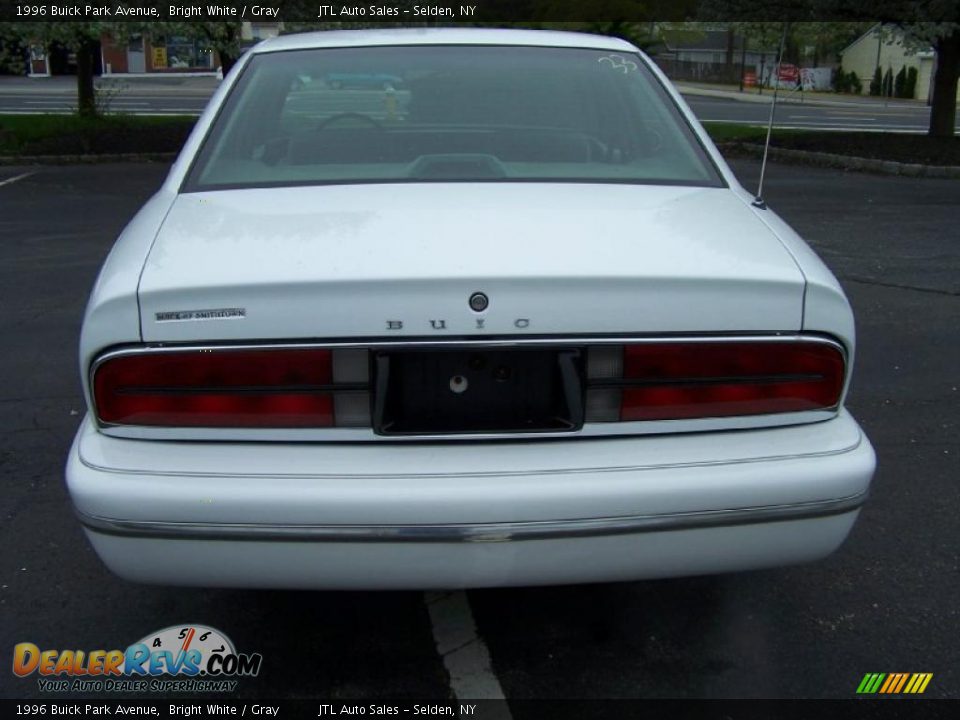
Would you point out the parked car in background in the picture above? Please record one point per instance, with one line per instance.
(520, 326)
(363, 81)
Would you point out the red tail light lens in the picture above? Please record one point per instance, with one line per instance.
(672, 381)
(282, 388)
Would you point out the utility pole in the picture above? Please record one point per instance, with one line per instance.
(879, 45)
(743, 58)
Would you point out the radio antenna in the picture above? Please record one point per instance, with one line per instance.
(758, 201)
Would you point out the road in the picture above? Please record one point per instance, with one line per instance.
(792, 114)
(873, 116)
(887, 601)
(136, 96)
(188, 96)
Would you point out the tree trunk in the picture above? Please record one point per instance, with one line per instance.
(227, 61)
(227, 48)
(743, 59)
(943, 110)
(86, 100)
(728, 60)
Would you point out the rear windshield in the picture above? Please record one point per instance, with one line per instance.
(448, 114)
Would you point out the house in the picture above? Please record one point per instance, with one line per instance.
(148, 54)
(156, 54)
(883, 46)
(709, 56)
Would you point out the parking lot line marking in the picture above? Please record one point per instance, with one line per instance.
(464, 653)
(8, 181)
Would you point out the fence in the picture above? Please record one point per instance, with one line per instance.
(693, 71)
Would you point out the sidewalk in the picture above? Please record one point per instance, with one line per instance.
(732, 92)
(155, 84)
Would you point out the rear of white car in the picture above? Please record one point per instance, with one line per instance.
(399, 338)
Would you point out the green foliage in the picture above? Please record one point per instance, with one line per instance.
(80, 135)
(760, 35)
(856, 87)
(876, 84)
(844, 82)
(923, 35)
(824, 39)
(735, 132)
(69, 34)
(223, 37)
(888, 83)
(900, 83)
(82, 38)
(910, 88)
(13, 50)
(840, 80)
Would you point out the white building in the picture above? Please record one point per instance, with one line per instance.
(884, 46)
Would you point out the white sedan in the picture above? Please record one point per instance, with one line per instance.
(508, 321)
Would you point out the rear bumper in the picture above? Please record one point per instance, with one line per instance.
(445, 515)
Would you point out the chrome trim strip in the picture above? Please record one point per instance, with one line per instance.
(476, 474)
(469, 533)
(492, 341)
(351, 434)
(600, 430)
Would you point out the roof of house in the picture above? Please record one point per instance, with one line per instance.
(713, 40)
(871, 33)
(893, 32)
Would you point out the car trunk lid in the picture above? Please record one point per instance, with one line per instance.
(402, 260)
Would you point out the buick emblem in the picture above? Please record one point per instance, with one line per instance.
(479, 302)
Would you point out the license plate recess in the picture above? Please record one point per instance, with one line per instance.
(463, 391)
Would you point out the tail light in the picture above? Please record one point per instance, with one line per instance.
(281, 388)
(681, 380)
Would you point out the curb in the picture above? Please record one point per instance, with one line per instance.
(783, 98)
(86, 159)
(843, 162)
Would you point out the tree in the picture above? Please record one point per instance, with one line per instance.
(806, 42)
(910, 90)
(224, 37)
(856, 87)
(932, 23)
(13, 50)
(762, 36)
(876, 85)
(944, 37)
(900, 83)
(818, 40)
(82, 38)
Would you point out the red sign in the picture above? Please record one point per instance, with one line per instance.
(750, 79)
(789, 73)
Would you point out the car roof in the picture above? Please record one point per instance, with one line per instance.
(440, 36)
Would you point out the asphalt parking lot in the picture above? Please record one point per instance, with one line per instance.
(887, 602)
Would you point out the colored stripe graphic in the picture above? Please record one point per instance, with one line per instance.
(894, 683)
(918, 683)
(899, 687)
(892, 679)
(870, 683)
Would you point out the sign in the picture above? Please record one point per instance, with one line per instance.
(750, 79)
(159, 58)
(789, 74)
